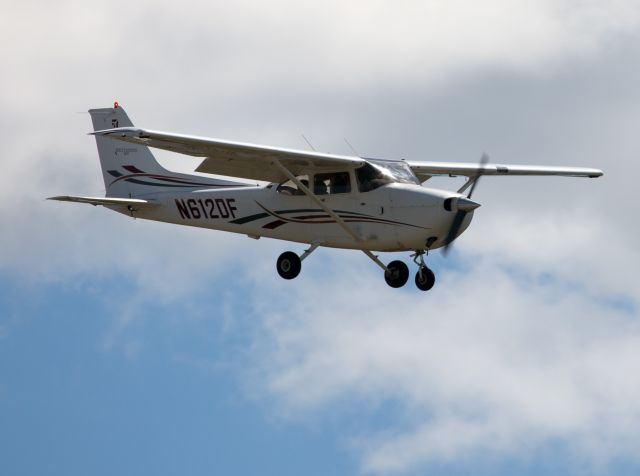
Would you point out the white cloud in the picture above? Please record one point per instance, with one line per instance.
(486, 363)
(165, 52)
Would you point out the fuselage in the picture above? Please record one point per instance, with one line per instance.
(393, 217)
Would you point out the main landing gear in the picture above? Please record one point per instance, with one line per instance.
(396, 274)
(289, 264)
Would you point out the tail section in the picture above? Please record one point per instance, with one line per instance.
(131, 170)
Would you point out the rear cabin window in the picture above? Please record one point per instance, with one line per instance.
(290, 188)
(331, 183)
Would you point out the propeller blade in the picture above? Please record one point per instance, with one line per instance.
(483, 161)
(464, 206)
(453, 231)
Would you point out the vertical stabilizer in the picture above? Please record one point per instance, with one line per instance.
(118, 159)
(131, 170)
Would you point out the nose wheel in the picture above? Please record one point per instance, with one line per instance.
(425, 279)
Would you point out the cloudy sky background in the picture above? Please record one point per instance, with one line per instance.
(129, 346)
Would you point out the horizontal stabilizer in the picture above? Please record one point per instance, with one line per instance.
(106, 201)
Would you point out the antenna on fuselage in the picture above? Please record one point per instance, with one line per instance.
(351, 147)
(309, 143)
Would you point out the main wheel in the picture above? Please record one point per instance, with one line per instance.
(288, 265)
(396, 274)
(426, 279)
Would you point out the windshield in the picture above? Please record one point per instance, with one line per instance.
(376, 173)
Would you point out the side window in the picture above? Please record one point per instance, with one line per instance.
(331, 183)
(290, 188)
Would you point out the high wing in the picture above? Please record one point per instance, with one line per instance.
(235, 159)
(130, 202)
(425, 170)
(257, 162)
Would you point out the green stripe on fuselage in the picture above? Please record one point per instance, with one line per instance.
(243, 220)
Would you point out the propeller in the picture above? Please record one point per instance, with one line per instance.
(464, 206)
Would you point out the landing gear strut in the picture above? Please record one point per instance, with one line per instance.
(425, 279)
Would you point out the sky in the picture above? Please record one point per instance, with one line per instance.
(131, 347)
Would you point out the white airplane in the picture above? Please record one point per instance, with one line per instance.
(319, 199)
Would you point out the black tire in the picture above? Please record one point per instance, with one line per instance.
(396, 274)
(427, 280)
(288, 265)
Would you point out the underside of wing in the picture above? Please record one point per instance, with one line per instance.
(106, 201)
(425, 170)
(235, 159)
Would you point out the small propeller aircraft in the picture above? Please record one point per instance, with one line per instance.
(307, 197)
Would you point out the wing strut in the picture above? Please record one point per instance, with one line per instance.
(330, 212)
(468, 183)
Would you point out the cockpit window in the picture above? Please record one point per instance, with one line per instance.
(331, 183)
(290, 188)
(376, 173)
(370, 178)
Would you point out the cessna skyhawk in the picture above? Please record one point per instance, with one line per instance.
(328, 200)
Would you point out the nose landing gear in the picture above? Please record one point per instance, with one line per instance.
(425, 279)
